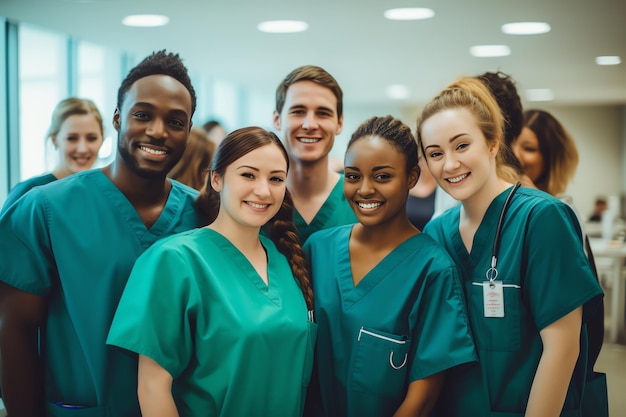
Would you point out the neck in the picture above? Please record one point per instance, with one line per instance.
(306, 180)
(246, 239)
(140, 191)
(388, 234)
(475, 207)
(61, 172)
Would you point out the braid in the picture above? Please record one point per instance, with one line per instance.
(283, 233)
(207, 202)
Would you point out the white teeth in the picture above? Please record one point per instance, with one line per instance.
(152, 151)
(457, 179)
(369, 205)
(259, 206)
(308, 140)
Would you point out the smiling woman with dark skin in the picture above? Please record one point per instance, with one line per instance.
(382, 289)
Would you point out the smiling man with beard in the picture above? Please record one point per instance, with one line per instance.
(68, 248)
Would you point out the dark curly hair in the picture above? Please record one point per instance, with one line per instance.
(159, 63)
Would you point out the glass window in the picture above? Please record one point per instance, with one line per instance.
(43, 82)
(99, 76)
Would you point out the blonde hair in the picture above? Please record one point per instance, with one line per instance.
(471, 94)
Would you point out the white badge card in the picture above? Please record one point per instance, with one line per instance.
(493, 298)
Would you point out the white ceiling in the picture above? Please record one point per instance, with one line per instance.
(363, 50)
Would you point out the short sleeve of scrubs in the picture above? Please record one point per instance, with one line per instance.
(558, 278)
(25, 238)
(155, 306)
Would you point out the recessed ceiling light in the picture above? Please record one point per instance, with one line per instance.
(409, 13)
(485, 51)
(539, 94)
(526, 28)
(282, 26)
(397, 91)
(608, 60)
(146, 20)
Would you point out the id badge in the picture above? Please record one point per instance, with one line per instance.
(493, 298)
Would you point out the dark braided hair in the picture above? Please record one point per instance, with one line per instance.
(159, 63)
(281, 229)
(393, 131)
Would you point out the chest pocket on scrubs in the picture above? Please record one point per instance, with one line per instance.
(381, 362)
(498, 334)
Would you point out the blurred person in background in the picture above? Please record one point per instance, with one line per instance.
(76, 132)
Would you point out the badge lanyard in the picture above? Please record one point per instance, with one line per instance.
(493, 293)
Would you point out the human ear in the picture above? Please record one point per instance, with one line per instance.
(277, 120)
(53, 138)
(216, 181)
(414, 176)
(116, 119)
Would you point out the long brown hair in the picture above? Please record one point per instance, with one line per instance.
(280, 228)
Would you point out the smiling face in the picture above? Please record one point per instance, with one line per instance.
(376, 182)
(308, 121)
(458, 154)
(79, 139)
(153, 125)
(527, 151)
(253, 187)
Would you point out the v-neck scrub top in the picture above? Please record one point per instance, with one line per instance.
(335, 211)
(545, 276)
(75, 241)
(404, 321)
(233, 345)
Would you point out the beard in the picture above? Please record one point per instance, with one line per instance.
(131, 162)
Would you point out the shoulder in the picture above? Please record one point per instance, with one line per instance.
(537, 202)
(183, 189)
(330, 234)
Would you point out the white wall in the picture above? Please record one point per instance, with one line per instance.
(598, 133)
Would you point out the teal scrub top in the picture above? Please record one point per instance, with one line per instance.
(335, 211)
(545, 276)
(404, 321)
(234, 345)
(25, 186)
(75, 241)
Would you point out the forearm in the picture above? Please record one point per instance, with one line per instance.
(21, 375)
(155, 390)
(554, 372)
(421, 397)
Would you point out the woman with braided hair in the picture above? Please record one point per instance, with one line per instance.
(218, 315)
(388, 299)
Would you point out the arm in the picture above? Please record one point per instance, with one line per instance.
(421, 397)
(21, 315)
(561, 347)
(155, 390)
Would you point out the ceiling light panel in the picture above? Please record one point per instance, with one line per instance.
(526, 28)
(409, 13)
(539, 94)
(146, 20)
(608, 60)
(282, 26)
(488, 51)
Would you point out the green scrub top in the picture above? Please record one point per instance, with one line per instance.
(75, 241)
(335, 211)
(25, 186)
(404, 321)
(234, 345)
(545, 276)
